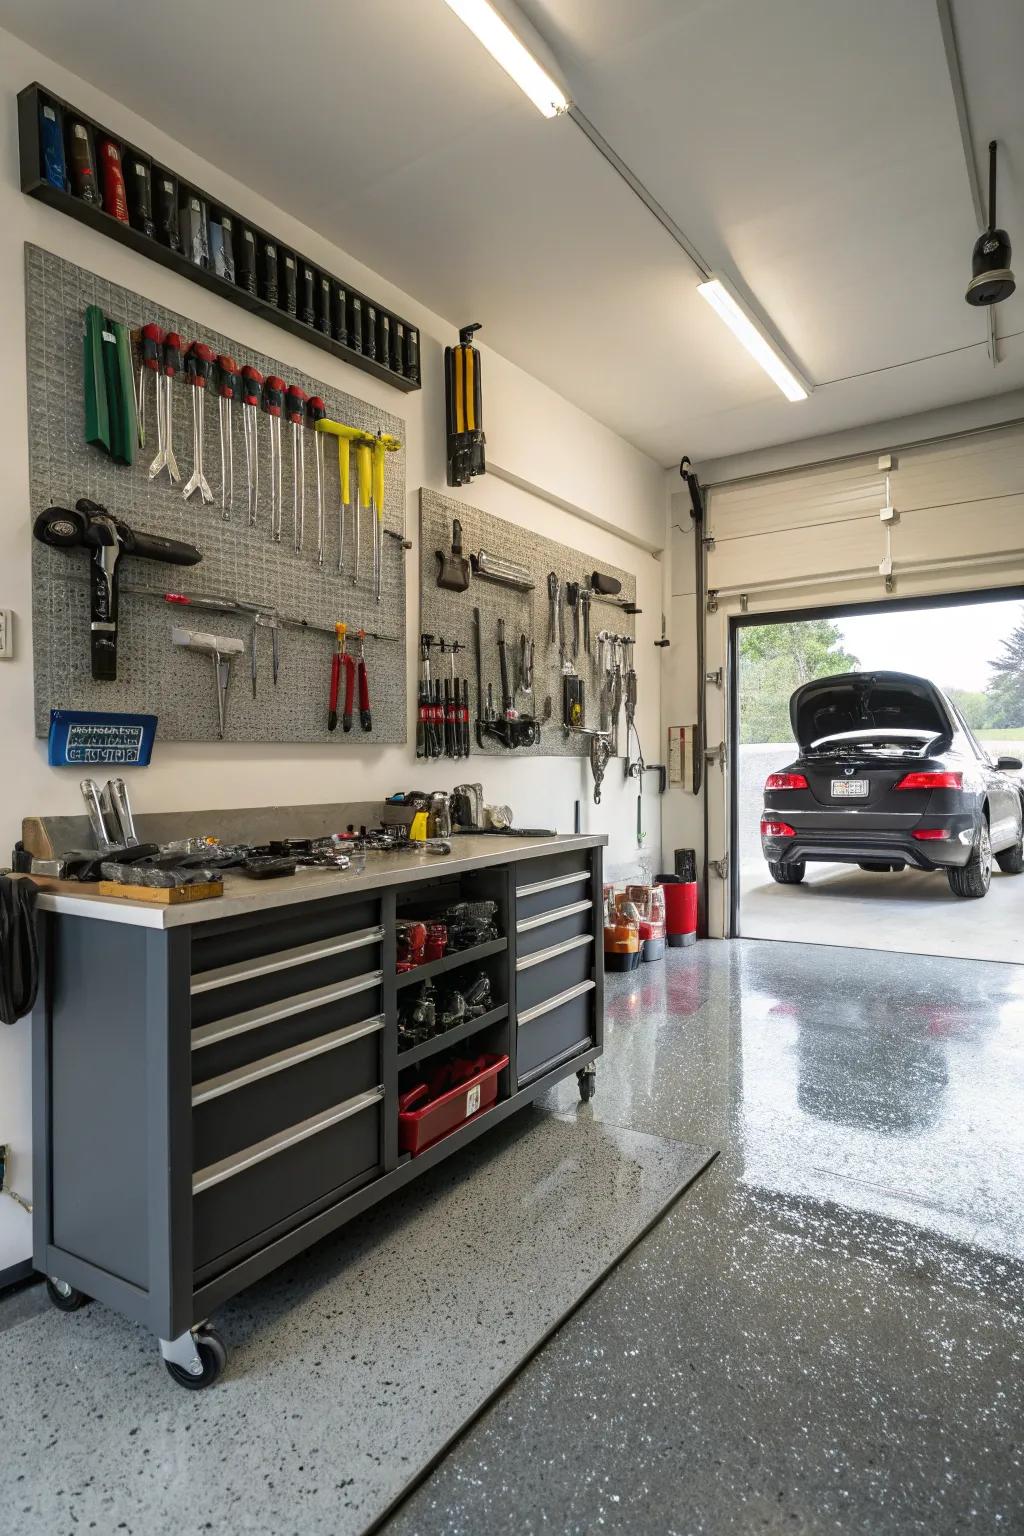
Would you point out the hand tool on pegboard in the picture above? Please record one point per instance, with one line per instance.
(509, 729)
(572, 597)
(525, 679)
(346, 483)
(453, 567)
(464, 409)
(424, 702)
(554, 610)
(109, 387)
(363, 684)
(383, 444)
(151, 340)
(90, 526)
(316, 411)
(227, 392)
(364, 470)
(271, 621)
(341, 659)
(171, 367)
(198, 363)
(507, 573)
(252, 391)
(583, 602)
(295, 410)
(273, 403)
(223, 649)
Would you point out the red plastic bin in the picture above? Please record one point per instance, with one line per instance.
(430, 1110)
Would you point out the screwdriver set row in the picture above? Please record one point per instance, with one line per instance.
(72, 162)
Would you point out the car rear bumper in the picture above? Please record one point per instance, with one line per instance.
(891, 845)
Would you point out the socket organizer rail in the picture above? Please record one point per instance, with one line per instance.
(214, 1093)
(400, 369)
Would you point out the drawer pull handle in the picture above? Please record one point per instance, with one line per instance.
(280, 1061)
(552, 885)
(564, 948)
(216, 1173)
(526, 923)
(265, 965)
(552, 1003)
(271, 1013)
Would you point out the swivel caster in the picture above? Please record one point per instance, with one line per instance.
(195, 1359)
(64, 1296)
(587, 1079)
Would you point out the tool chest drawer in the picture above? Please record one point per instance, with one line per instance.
(544, 895)
(272, 1180)
(254, 1101)
(534, 873)
(568, 921)
(550, 971)
(256, 940)
(554, 1029)
(237, 1039)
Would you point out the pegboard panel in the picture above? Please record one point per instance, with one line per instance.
(450, 614)
(238, 561)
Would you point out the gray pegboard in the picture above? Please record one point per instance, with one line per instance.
(450, 614)
(152, 675)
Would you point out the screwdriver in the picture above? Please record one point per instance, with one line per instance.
(295, 410)
(227, 390)
(316, 411)
(198, 362)
(340, 631)
(273, 403)
(365, 718)
(151, 339)
(252, 386)
(364, 467)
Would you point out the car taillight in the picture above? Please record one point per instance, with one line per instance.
(931, 781)
(776, 828)
(785, 781)
(931, 834)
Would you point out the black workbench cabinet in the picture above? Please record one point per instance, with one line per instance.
(212, 1098)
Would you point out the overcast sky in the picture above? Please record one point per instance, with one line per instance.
(951, 646)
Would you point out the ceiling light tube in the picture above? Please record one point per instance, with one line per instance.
(730, 308)
(514, 57)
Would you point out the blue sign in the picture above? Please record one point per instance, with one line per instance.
(82, 738)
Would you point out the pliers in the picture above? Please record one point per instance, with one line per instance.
(339, 659)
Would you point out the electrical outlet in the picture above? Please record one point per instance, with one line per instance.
(6, 634)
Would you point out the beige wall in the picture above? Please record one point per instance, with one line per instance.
(551, 459)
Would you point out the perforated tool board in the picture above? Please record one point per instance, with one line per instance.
(238, 561)
(450, 614)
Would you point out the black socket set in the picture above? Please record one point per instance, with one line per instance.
(72, 162)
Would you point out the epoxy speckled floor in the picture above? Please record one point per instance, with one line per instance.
(350, 1368)
(826, 1335)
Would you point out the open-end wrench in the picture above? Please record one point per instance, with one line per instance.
(295, 410)
(198, 361)
(252, 386)
(316, 411)
(273, 404)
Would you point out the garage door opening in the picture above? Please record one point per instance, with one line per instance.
(879, 771)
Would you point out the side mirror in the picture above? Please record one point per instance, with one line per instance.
(1009, 764)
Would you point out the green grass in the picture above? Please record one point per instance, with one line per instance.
(1002, 733)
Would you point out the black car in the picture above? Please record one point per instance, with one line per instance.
(890, 774)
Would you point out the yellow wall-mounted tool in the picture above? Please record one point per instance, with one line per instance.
(464, 409)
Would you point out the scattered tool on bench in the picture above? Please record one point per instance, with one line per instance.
(90, 526)
(223, 649)
(198, 362)
(340, 659)
(227, 391)
(453, 567)
(273, 403)
(295, 410)
(316, 411)
(252, 389)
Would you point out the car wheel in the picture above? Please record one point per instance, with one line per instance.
(1011, 860)
(787, 874)
(976, 876)
(876, 867)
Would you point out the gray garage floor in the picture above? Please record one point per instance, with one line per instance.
(825, 1335)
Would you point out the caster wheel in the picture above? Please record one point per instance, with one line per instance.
(211, 1351)
(64, 1296)
(588, 1085)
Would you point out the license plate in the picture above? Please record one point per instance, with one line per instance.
(849, 789)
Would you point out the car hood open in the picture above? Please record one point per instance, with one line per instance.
(867, 701)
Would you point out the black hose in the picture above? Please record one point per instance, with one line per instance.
(19, 948)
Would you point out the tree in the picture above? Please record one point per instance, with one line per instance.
(1006, 690)
(976, 708)
(774, 660)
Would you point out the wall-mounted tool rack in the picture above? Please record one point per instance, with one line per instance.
(401, 371)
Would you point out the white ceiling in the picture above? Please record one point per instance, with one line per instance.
(810, 147)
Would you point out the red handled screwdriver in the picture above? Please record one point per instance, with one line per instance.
(252, 388)
(273, 404)
(316, 411)
(227, 390)
(295, 410)
(198, 363)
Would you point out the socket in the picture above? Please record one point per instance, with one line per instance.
(6, 634)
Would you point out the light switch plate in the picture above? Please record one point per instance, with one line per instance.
(6, 634)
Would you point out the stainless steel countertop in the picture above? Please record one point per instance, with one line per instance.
(243, 897)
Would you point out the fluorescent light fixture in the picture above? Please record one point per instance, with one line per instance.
(730, 309)
(515, 59)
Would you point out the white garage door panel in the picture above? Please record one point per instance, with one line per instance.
(963, 469)
(964, 532)
(821, 495)
(796, 554)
